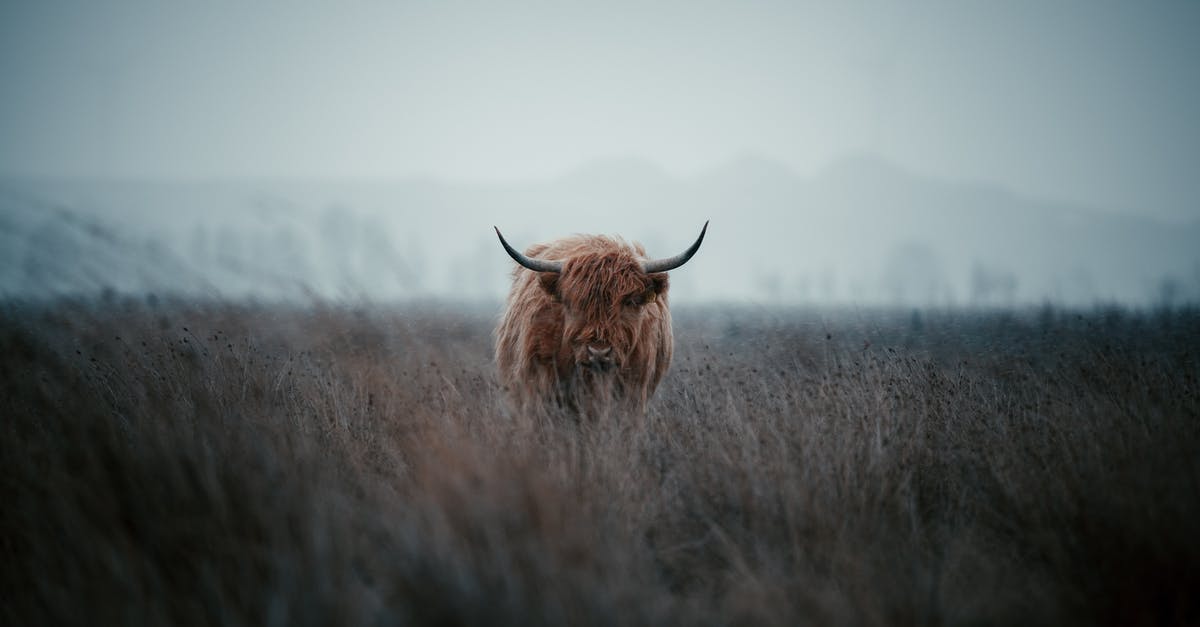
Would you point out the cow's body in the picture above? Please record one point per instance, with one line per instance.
(592, 337)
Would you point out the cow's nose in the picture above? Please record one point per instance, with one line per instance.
(595, 352)
(600, 358)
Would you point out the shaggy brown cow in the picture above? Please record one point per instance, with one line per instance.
(587, 327)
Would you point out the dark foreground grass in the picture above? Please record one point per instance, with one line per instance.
(220, 464)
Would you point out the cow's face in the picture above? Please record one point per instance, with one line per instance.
(607, 301)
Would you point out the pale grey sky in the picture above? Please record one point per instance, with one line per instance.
(1085, 102)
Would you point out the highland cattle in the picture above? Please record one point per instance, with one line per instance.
(587, 326)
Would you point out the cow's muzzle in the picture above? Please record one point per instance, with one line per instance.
(599, 358)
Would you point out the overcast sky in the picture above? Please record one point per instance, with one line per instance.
(1084, 102)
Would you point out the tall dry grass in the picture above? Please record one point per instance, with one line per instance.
(185, 463)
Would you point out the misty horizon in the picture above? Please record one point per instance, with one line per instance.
(618, 165)
(1078, 103)
(861, 232)
(924, 154)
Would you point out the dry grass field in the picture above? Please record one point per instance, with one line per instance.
(222, 464)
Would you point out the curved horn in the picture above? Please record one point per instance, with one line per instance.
(537, 265)
(670, 263)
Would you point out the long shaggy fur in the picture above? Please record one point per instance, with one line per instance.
(601, 297)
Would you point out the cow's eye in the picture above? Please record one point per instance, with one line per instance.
(635, 301)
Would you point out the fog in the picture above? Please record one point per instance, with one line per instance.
(915, 154)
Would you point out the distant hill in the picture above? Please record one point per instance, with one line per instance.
(860, 232)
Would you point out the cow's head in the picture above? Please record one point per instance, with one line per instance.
(608, 296)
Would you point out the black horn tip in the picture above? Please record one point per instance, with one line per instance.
(537, 265)
(670, 263)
